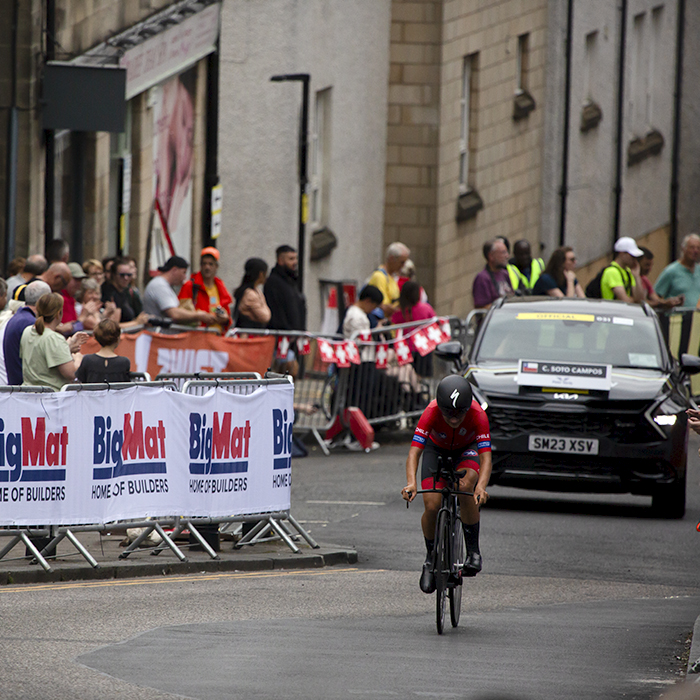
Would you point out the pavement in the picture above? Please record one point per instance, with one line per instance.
(69, 565)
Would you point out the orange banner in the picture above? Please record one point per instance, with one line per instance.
(191, 352)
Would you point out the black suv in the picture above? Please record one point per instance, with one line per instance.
(583, 395)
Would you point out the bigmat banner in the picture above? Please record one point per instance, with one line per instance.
(99, 456)
(192, 352)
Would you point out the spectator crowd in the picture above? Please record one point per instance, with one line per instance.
(49, 304)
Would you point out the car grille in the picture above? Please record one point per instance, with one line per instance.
(510, 422)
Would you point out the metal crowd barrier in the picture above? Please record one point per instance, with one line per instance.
(395, 395)
(273, 522)
(314, 383)
(280, 523)
(391, 396)
(24, 534)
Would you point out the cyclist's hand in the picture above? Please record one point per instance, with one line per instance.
(480, 495)
(408, 492)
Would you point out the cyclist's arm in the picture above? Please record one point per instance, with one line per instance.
(409, 491)
(480, 493)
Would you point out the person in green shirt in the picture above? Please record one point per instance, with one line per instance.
(682, 276)
(621, 279)
(523, 269)
(46, 355)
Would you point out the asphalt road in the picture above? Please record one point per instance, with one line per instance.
(581, 597)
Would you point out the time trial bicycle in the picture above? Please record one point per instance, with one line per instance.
(449, 549)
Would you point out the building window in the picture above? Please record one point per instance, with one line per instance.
(590, 64)
(645, 50)
(468, 123)
(657, 17)
(591, 113)
(523, 103)
(320, 159)
(638, 82)
(469, 201)
(523, 62)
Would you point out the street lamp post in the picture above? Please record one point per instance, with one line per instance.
(304, 79)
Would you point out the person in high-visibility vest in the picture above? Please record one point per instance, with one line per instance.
(524, 270)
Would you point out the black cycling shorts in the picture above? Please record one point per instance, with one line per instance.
(464, 457)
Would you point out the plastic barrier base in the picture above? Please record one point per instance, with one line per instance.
(354, 420)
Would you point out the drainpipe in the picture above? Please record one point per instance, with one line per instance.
(564, 192)
(49, 134)
(211, 177)
(675, 153)
(12, 146)
(620, 117)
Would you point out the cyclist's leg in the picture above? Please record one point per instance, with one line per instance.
(469, 511)
(431, 506)
(431, 501)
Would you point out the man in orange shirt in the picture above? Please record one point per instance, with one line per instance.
(207, 291)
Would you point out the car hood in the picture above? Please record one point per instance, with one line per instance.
(627, 384)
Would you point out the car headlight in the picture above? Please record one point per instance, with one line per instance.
(663, 413)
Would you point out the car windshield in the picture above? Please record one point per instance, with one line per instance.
(514, 333)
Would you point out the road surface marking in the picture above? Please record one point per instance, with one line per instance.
(190, 578)
(347, 503)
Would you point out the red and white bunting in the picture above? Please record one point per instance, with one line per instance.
(403, 353)
(446, 330)
(423, 344)
(303, 346)
(352, 352)
(366, 336)
(381, 356)
(326, 351)
(282, 347)
(341, 355)
(434, 334)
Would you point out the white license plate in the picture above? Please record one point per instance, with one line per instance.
(574, 446)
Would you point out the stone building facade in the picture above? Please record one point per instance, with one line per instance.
(476, 115)
(93, 188)
(344, 48)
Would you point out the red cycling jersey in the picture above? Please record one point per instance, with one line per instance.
(473, 428)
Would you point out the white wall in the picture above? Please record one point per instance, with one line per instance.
(345, 46)
(591, 200)
(645, 203)
(646, 185)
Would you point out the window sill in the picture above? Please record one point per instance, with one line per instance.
(523, 104)
(591, 116)
(468, 204)
(640, 149)
(323, 240)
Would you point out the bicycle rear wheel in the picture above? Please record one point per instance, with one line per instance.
(455, 593)
(443, 543)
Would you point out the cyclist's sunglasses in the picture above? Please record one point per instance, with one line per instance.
(453, 412)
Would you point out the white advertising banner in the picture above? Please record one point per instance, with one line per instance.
(95, 457)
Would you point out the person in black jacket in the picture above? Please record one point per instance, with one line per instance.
(286, 301)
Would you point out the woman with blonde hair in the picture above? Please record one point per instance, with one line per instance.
(93, 268)
(46, 355)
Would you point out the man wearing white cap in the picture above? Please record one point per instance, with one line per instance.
(621, 278)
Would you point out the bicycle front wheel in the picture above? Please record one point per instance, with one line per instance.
(443, 544)
(456, 590)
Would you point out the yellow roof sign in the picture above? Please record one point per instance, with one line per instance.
(542, 316)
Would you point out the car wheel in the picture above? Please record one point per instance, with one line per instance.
(669, 500)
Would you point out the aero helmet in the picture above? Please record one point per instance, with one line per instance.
(454, 393)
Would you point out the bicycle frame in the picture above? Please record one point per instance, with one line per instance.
(448, 550)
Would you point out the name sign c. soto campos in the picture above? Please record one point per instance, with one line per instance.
(565, 375)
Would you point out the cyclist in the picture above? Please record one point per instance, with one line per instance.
(453, 424)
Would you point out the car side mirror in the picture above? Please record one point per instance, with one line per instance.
(690, 364)
(452, 351)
